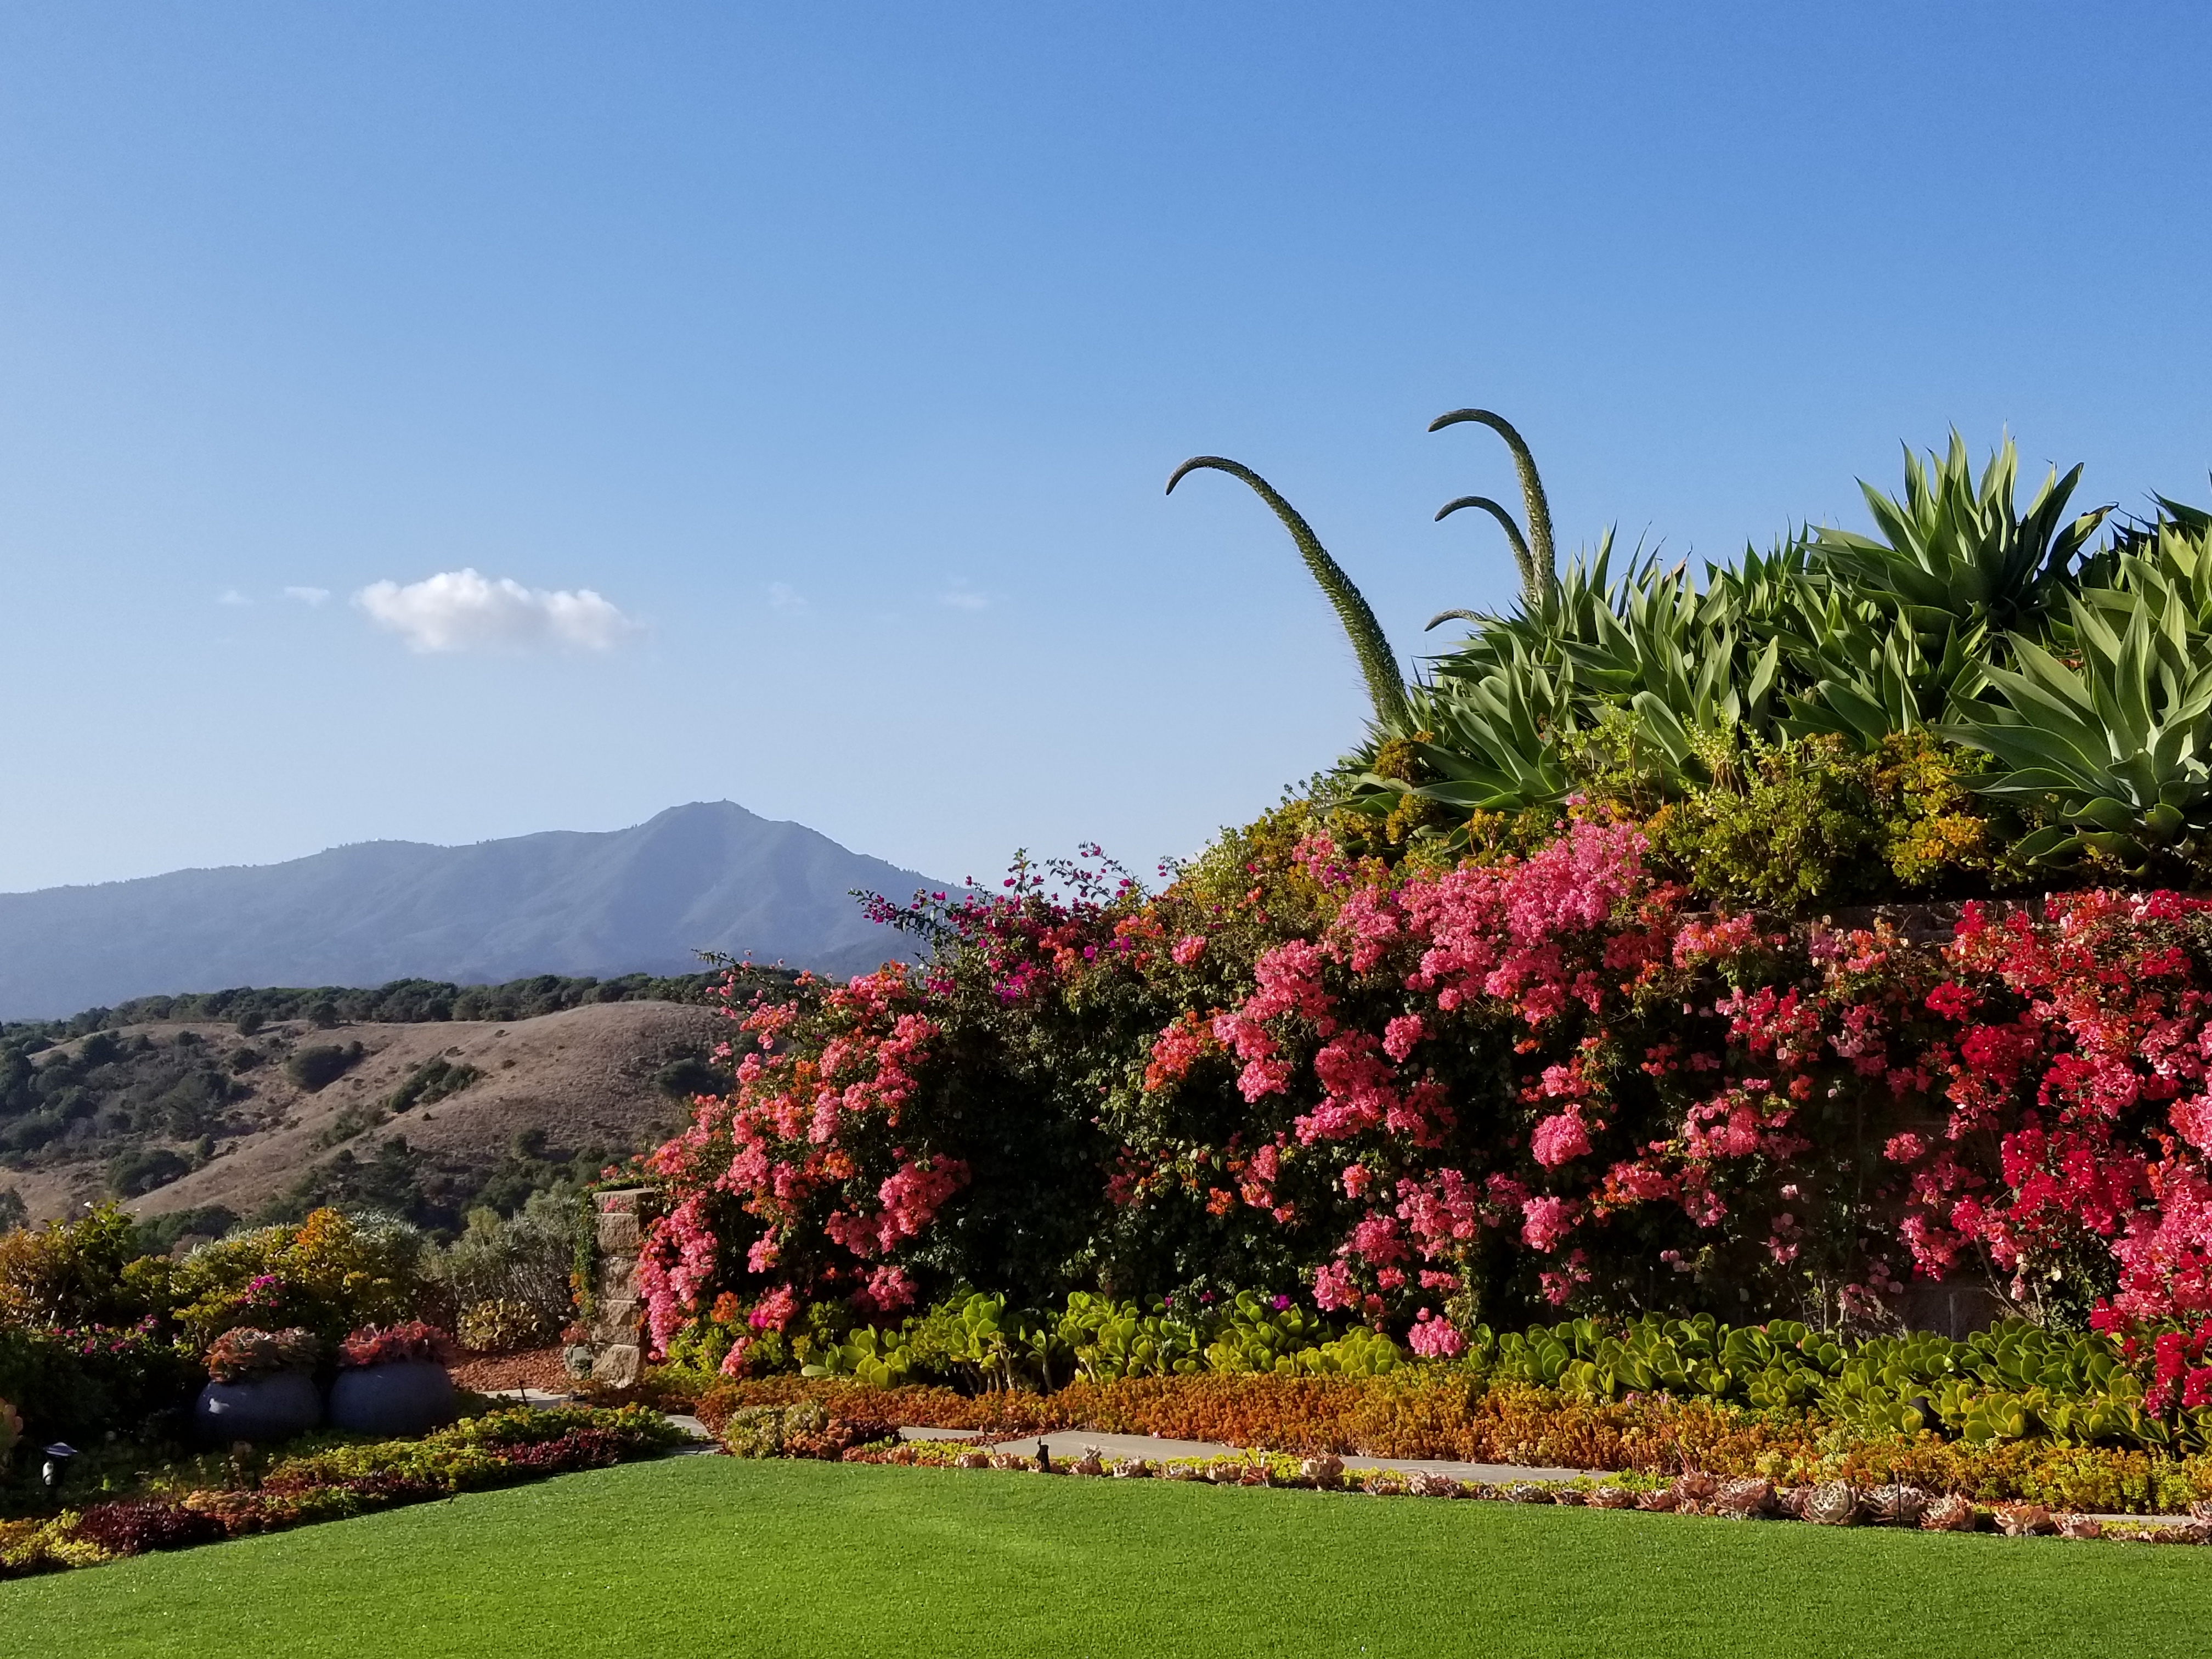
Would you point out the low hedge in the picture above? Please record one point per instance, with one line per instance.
(498, 1449)
(1439, 1413)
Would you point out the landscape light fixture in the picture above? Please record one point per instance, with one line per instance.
(57, 1463)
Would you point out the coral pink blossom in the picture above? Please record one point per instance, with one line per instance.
(1545, 1222)
(773, 1310)
(1434, 1338)
(1558, 1139)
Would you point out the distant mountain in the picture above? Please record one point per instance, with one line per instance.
(706, 876)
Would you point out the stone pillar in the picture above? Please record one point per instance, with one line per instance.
(616, 1333)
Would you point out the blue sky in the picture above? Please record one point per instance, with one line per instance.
(842, 350)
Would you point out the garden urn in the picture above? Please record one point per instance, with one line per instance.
(260, 1408)
(401, 1397)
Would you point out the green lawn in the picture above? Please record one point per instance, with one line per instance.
(710, 1556)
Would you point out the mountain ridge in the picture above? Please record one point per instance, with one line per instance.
(702, 877)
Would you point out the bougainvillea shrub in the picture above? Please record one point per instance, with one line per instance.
(1431, 1096)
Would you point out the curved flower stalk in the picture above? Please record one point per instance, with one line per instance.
(1443, 617)
(1523, 559)
(1378, 664)
(1538, 562)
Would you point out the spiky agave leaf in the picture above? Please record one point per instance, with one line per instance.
(1541, 623)
(1865, 672)
(1378, 664)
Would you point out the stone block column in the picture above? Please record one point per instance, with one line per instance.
(616, 1333)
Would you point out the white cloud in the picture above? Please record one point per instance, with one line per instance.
(462, 610)
(308, 595)
(232, 596)
(960, 597)
(782, 596)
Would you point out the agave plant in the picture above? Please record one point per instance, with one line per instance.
(1958, 548)
(1867, 673)
(1487, 743)
(2117, 748)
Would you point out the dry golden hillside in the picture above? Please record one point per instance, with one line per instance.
(247, 1133)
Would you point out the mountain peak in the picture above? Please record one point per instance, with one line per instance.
(706, 876)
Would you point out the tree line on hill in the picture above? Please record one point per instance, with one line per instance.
(401, 1002)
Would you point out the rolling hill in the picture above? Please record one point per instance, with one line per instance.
(420, 1119)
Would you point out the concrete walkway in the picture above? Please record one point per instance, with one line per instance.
(1065, 1445)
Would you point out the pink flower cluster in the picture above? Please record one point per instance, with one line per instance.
(806, 1151)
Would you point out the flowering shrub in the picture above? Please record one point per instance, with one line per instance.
(396, 1344)
(242, 1353)
(1431, 1097)
(74, 1383)
(329, 1275)
(71, 1273)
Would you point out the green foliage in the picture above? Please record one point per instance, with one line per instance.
(432, 1192)
(399, 1002)
(109, 1090)
(2014, 1382)
(1997, 629)
(687, 1076)
(1958, 551)
(144, 1167)
(976, 1341)
(332, 1275)
(802, 1429)
(158, 1235)
(509, 1276)
(72, 1273)
(2113, 736)
(318, 1066)
(81, 1384)
(1810, 822)
(431, 1082)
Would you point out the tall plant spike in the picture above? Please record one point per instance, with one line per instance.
(1520, 556)
(1544, 559)
(1377, 662)
(1449, 616)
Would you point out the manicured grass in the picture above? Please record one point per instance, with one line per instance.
(714, 1556)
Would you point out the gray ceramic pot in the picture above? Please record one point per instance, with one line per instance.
(410, 1397)
(267, 1408)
